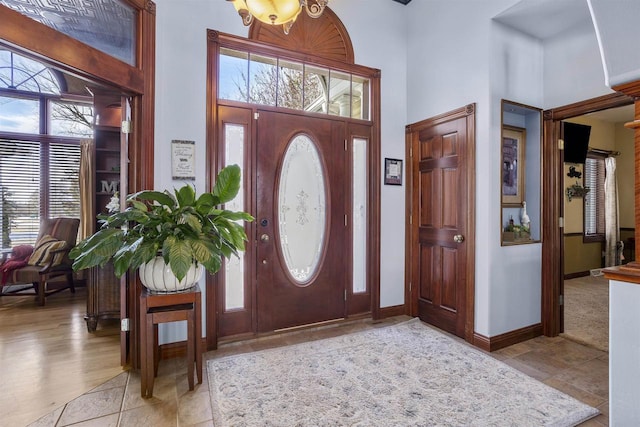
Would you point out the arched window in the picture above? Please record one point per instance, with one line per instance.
(40, 131)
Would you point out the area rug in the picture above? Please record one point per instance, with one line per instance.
(407, 374)
(586, 311)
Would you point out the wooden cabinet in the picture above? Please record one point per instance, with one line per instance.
(110, 171)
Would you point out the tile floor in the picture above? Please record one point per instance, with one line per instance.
(575, 369)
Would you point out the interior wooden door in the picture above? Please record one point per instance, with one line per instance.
(300, 220)
(441, 207)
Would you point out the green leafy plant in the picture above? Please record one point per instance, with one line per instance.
(182, 228)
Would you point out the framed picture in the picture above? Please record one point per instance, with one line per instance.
(183, 157)
(513, 161)
(392, 172)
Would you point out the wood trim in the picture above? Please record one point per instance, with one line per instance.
(211, 173)
(470, 111)
(395, 310)
(576, 275)
(553, 202)
(630, 89)
(589, 106)
(625, 273)
(374, 195)
(508, 338)
(325, 36)
(39, 41)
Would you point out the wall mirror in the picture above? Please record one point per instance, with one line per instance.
(521, 166)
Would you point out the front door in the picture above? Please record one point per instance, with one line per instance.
(300, 221)
(442, 220)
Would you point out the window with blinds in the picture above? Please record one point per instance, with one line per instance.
(39, 148)
(594, 173)
(26, 169)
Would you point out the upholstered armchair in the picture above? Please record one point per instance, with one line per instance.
(48, 260)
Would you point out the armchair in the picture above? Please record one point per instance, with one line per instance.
(50, 259)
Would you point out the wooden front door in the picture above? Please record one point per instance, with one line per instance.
(300, 226)
(441, 226)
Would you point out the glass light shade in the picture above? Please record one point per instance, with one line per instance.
(276, 12)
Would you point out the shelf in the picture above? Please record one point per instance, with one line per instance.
(103, 193)
(108, 150)
(108, 172)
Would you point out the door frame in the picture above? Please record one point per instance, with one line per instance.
(553, 204)
(42, 43)
(411, 292)
(216, 40)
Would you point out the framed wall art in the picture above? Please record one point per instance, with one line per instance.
(183, 158)
(392, 172)
(513, 161)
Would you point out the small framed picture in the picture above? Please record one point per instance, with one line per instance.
(392, 172)
(513, 161)
(183, 157)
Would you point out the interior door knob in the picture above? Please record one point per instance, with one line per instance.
(264, 238)
(458, 238)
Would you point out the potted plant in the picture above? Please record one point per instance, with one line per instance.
(178, 231)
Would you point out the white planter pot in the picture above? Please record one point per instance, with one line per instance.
(158, 277)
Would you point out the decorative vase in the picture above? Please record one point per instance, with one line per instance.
(157, 277)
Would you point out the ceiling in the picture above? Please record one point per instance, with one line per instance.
(544, 19)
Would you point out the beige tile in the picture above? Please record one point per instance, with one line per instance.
(163, 414)
(107, 421)
(543, 362)
(592, 376)
(572, 353)
(527, 369)
(48, 420)
(164, 390)
(92, 405)
(582, 395)
(194, 408)
(118, 381)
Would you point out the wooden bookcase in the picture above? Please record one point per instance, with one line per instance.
(110, 169)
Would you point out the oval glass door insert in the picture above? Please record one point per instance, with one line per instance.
(302, 219)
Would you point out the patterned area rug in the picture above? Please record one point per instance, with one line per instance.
(586, 311)
(402, 375)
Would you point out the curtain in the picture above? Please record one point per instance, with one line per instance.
(612, 231)
(87, 187)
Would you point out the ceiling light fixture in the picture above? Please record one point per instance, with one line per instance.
(277, 12)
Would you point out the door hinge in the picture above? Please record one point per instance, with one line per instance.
(256, 116)
(561, 222)
(124, 325)
(345, 220)
(411, 152)
(409, 287)
(345, 294)
(411, 219)
(561, 144)
(125, 127)
(345, 145)
(561, 300)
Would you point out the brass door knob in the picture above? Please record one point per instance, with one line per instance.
(264, 238)
(458, 238)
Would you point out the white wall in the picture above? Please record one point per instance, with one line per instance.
(572, 67)
(181, 101)
(458, 56)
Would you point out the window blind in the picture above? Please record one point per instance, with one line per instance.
(594, 174)
(36, 180)
(20, 179)
(64, 191)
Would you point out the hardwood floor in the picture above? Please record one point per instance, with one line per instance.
(48, 358)
(54, 373)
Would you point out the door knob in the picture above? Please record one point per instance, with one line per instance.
(264, 238)
(458, 238)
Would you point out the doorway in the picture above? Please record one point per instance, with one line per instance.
(554, 200)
